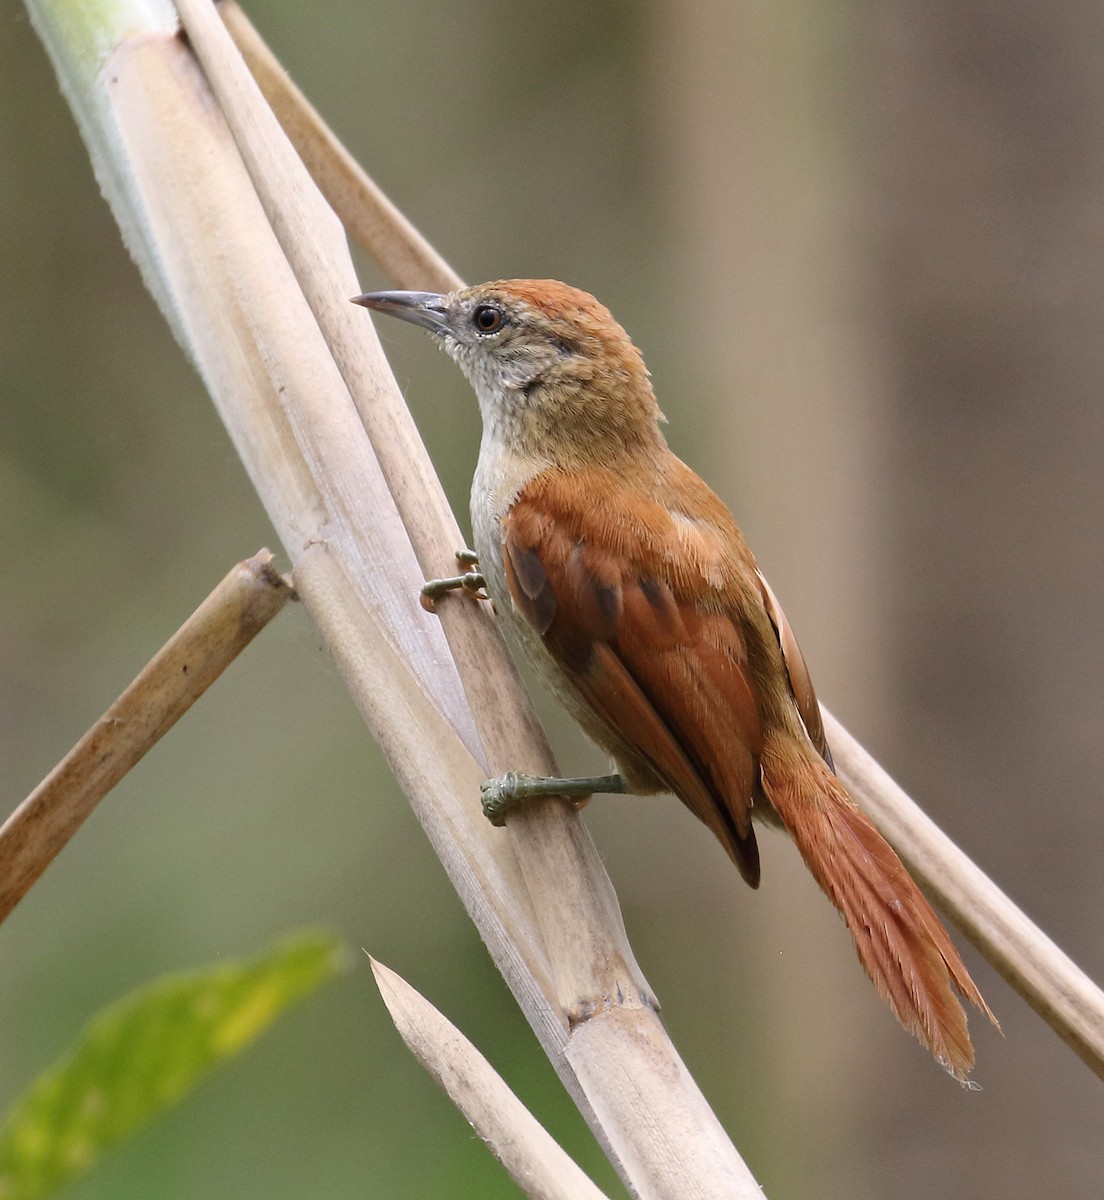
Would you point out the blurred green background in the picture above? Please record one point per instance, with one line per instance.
(859, 247)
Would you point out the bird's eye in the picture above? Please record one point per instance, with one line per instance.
(487, 318)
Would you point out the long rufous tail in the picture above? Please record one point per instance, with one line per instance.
(901, 943)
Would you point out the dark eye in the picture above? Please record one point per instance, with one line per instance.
(487, 318)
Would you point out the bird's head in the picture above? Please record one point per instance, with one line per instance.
(553, 371)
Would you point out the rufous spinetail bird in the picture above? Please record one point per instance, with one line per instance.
(626, 582)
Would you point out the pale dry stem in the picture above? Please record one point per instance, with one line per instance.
(259, 282)
(525, 1149)
(170, 683)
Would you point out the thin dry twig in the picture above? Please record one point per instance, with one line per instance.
(170, 683)
(400, 249)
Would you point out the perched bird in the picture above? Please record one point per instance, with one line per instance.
(629, 585)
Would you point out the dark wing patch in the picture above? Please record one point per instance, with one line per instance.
(531, 590)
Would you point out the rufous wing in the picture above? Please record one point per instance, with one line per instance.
(665, 678)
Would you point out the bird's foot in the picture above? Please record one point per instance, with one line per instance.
(513, 788)
(470, 581)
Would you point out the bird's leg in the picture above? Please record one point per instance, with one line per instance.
(471, 581)
(512, 789)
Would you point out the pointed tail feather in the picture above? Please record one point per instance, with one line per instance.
(901, 943)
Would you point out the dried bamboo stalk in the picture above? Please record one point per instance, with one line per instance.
(285, 388)
(166, 687)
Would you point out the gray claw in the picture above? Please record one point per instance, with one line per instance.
(498, 797)
(472, 582)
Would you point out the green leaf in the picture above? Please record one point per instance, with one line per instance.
(143, 1053)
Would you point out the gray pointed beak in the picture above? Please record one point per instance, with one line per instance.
(426, 309)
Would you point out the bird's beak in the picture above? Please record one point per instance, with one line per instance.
(426, 309)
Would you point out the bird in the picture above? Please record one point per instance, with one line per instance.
(627, 583)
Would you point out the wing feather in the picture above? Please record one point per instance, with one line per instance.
(801, 684)
(659, 673)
